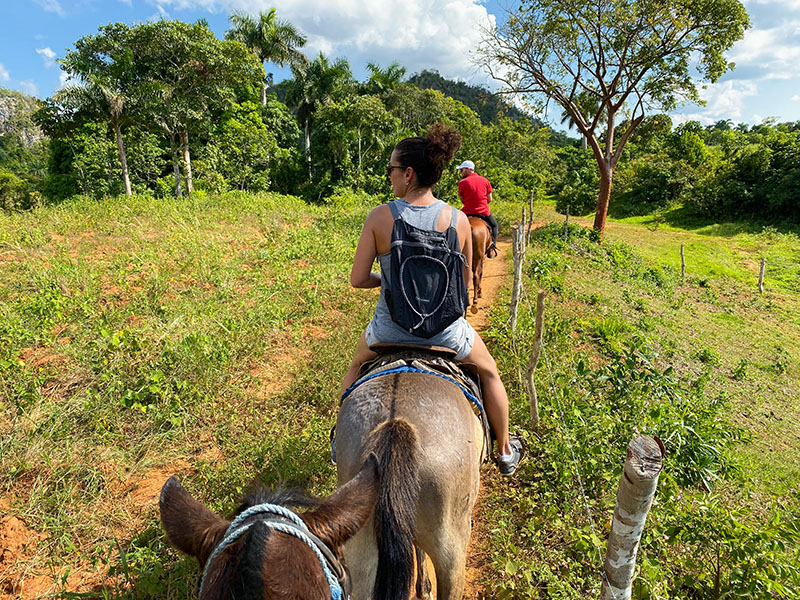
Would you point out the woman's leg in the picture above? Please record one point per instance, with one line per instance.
(362, 355)
(494, 392)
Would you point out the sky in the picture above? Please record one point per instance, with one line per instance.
(418, 34)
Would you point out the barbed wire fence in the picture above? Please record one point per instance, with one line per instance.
(643, 456)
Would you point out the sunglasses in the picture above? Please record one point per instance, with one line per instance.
(390, 168)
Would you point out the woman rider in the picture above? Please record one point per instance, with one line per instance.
(415, 166)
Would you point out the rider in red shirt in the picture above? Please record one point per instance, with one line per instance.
(476, 193)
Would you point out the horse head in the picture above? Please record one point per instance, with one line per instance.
(268, 552)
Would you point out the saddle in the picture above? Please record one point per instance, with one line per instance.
(436, 361)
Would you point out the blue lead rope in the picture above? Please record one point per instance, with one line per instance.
(406, 369)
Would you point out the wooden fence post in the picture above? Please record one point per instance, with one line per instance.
(683, 264)
(519, 257)
(634, 498)
(533, 399)
(530, 217)
(761, 275)
(524, 222)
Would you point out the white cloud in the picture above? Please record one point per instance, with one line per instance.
(772, 53)
(53, 6)
(785, 4)
(4, 74)
(796, 97)
(433, 34)
(161, 14)
(724, 100)
(48, 55)
(28, 86)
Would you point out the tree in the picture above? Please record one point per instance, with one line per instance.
(270, 40)
(189, 72)
(314, 87)
(628, 54)
(381, 80)
(102, 66)
(96, 99)
(357, 134)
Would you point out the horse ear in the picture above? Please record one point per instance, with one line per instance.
(343, 513)
(190, 526)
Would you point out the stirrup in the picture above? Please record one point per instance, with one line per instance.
(491, 252)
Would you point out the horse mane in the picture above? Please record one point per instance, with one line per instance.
(258, 493)
(244, 559)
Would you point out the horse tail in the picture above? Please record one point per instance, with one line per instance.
(396, 444)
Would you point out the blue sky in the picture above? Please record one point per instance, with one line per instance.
(437, 34)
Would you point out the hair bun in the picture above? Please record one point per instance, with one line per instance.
(442, 143)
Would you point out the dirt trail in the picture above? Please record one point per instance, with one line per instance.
(495, 272)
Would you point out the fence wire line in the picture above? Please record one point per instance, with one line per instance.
(572, 453)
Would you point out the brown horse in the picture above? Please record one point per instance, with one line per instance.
(481, 241)
(430, 447)
(269, 554)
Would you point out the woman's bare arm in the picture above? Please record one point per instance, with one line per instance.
(361, 276)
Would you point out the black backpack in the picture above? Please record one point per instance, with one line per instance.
(427, 292)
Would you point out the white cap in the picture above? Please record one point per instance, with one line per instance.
(467, 164)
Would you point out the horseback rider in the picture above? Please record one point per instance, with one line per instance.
(475, 192)
(415, 166)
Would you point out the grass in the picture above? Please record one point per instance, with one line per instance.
(207, 337)
(622, 329)
(140, 338)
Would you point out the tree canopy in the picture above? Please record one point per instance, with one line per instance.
(629, 55)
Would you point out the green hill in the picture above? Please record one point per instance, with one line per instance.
(489, 107)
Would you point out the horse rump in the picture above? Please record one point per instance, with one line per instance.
(396, 444)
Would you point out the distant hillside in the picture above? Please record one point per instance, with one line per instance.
(489, 108)
(16, 111)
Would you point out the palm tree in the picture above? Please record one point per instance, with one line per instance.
(270, 40)
(98, 98)
(381, 80)
(315, 86)
(587, 104)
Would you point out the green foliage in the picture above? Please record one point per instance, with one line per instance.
(241, 151)
(604, 378)
(721, 552)
(16, 193)
(354, 140)
(580, 183)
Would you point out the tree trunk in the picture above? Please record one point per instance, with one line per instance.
(634, 498)
(263, 93)
(307, 132)
(187, 161)
(603, 197)
(359, 156)
(176, 169)
(122, 159)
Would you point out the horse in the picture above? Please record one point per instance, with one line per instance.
(481, 241)
(270, 552)
(430, 446)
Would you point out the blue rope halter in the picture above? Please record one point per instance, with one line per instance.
(406, 369)
(295, 527)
